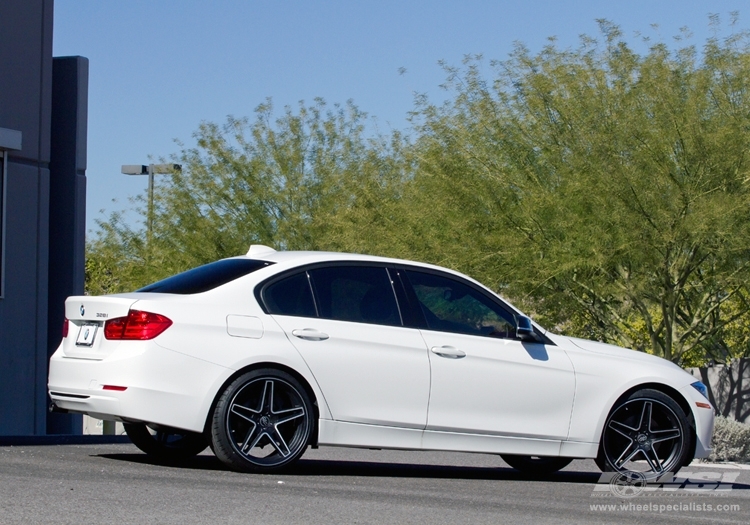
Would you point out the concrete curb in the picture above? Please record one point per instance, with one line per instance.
(26, 441)
(727, 465)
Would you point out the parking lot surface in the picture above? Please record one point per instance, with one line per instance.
(82, 484)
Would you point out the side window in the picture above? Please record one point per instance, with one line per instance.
(290, 296)
(452, 306)
(361, 294)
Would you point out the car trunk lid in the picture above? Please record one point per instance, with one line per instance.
(86, 317)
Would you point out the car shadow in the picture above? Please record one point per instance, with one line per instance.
(411, 470)
(334, 468)
(327, 467)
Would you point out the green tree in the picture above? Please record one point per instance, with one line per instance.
(300, 181)
(605, 190)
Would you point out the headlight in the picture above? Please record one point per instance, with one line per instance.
(700, 387)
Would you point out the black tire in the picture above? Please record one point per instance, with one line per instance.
(647, 432)
(262, 422)
(166, 444)
(537, 465)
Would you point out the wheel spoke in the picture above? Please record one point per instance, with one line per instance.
(619, 462)
(278, 442)
(248, 448)
(622, 428)
(653, 459)
(245, 413)
(266, 404)
(645, 416)
(249, 435)
(666, 435)
(289, 415)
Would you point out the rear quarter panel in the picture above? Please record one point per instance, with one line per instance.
(200, 331)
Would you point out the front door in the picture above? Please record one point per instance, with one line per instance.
(484, 380)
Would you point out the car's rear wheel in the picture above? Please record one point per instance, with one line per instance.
(262, 422)
(166, 444)
(537, 465)
(648, 433)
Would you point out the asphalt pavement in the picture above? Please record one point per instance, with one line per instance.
(115, 483)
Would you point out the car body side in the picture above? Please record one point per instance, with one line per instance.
(223, 332)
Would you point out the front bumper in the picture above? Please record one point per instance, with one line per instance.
(704, 421)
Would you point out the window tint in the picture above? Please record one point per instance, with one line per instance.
(206, 277)
(356, 293)
(290, 296)
(452, 306)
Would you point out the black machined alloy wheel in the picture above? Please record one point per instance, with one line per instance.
(648, 433)
(166, 444)
(262, 422)
(538, 465)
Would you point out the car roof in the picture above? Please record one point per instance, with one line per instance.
(311, 257)
(291, 259)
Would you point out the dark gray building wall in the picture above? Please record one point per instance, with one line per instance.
(25, 105)
(26, 96)
(67, 208)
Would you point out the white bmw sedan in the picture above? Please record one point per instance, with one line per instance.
(263, 355)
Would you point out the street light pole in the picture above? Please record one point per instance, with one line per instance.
(150, 199)
(150, 170)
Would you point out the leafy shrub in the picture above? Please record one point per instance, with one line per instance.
(731, 441)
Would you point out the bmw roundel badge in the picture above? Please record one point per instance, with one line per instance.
(83, 310)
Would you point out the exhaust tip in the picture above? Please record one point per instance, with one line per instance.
(56, 409)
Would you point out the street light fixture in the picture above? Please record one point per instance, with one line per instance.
(150, 170)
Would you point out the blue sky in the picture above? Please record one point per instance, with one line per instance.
(160, 67)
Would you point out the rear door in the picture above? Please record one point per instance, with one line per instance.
(346, 323)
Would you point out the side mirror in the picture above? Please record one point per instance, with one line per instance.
(525, 330)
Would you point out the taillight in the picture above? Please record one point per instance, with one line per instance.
(137, 325)
(66, 326)
(115, 388)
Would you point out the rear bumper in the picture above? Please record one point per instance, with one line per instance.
(161, 386)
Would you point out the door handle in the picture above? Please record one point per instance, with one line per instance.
(309, 334)
(448, 351)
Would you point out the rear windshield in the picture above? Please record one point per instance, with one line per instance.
(206, 277)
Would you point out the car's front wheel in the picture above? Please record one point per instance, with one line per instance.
(164, 443)
(262, 422)
(648, 433)
(537, 465)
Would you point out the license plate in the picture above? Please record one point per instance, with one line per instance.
(86, 335)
